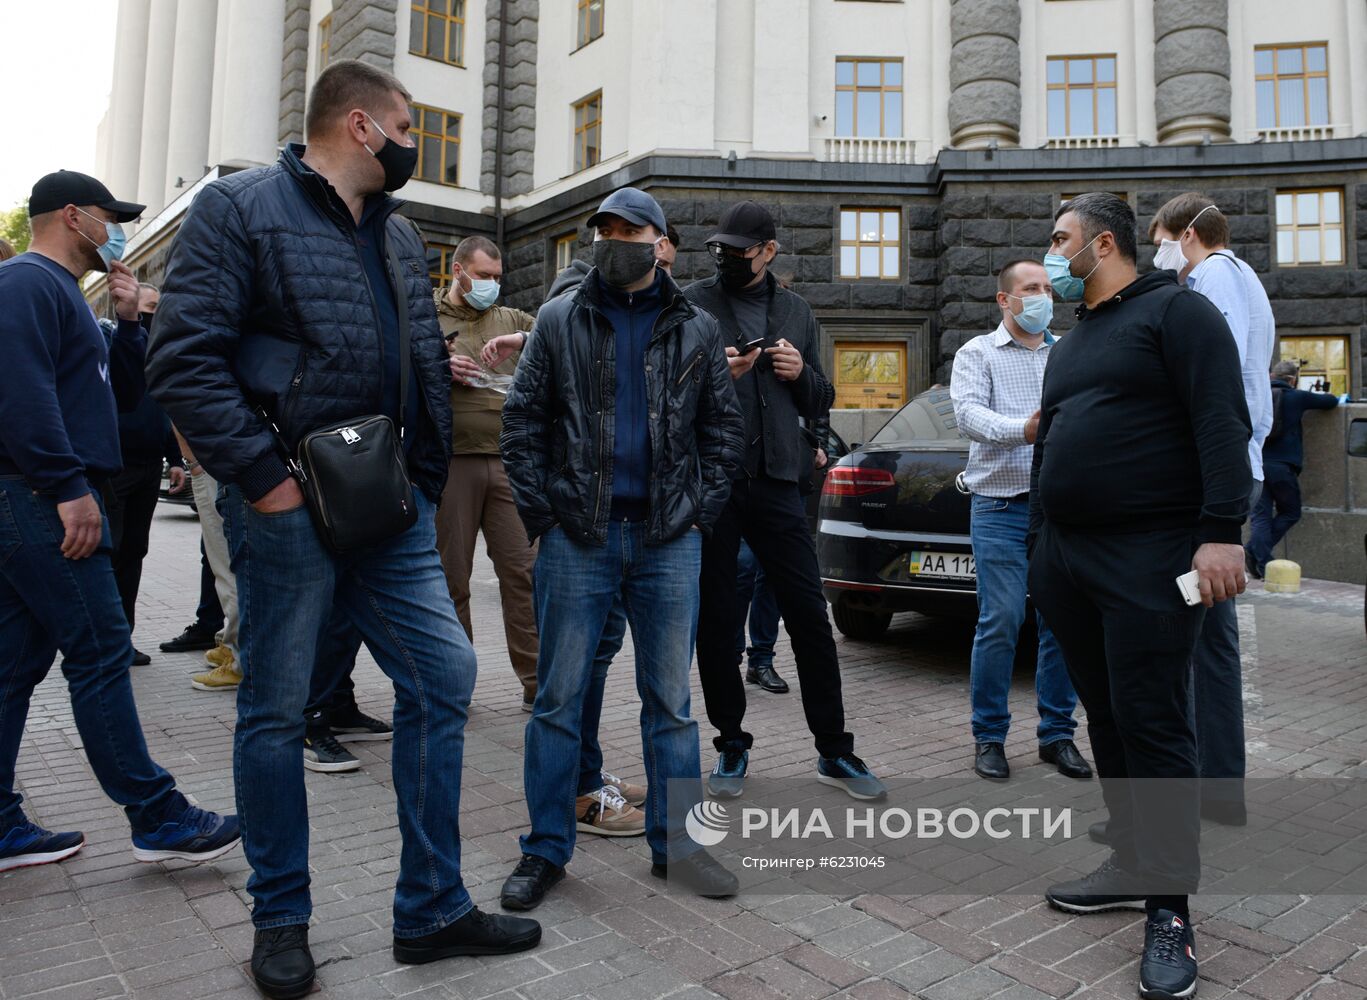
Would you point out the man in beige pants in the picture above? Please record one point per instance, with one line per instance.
(477, 494)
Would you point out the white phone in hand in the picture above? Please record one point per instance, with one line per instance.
(1190, 586)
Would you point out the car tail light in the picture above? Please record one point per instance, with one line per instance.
(854, 481)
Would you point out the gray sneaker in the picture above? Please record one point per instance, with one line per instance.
(323, 753)
(850, 773)
(727, 779)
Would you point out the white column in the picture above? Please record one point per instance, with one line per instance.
(125, 98)
(220, 83)
(1356, 112)
(1145, 122)
(251, 96)
(192, 79)
(734, 82)
(782, 57)
(156, 105)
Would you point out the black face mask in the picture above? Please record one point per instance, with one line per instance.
(736, 272)
(623, 263)
(398, 162)
(145, 320)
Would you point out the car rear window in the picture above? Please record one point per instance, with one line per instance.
(928, 417)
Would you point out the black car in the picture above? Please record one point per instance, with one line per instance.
(892, 531)
(183, 498)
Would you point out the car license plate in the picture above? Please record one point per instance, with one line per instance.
(942, 566)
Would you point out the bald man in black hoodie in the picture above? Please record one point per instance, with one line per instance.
(1140, 475)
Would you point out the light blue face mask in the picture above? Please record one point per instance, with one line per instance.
(1036, 314)
(482, 294)
(112, 248)
(1068, 286)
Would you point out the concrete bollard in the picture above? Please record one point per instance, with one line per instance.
(1282, 576)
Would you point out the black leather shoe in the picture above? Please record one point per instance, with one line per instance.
(989, 762)
(195, 638)
(699, 873)
(527, 886)
(476, 933)
(1100, 832)
(281, 962)
(1063, 755)
(140, 659)
(766, 677)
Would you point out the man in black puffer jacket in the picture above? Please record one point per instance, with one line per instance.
(286, 291)
(620, 434)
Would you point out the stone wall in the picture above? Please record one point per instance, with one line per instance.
(518, 96)
(364, 30)
(294, 83)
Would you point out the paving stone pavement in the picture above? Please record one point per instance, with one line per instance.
(102, 925)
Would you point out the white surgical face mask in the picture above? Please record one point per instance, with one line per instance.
(1170, 256)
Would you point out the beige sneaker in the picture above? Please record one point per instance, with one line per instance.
(222, 678)
(607, 814)
(219, 656)
(634, 794)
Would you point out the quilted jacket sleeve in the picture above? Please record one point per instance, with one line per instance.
(204, 301)
(720, 428)
(527, 414)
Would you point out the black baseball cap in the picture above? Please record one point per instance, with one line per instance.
(68, 187)
(635, 206)
(743, 225)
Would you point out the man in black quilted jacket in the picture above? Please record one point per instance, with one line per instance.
(286, 297)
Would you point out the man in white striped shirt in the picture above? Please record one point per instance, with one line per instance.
(996, 387)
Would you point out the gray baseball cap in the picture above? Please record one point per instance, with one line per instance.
(634, 206)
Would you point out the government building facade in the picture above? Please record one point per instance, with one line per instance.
(908, 148)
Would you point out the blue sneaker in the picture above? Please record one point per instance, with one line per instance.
(850, 773)
(198, 835)
(727, 779)
(28, 844)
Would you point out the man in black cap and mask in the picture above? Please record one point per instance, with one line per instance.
(60, 385)
(620, 435)
(296, 298)
(773, 343)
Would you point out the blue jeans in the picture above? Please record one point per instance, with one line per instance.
(395, 595)
(998, 534)
(50, 603)
(576, 587)
(751, 586)
(590, 751)
(331, 687)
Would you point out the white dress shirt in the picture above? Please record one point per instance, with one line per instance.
(995, 387)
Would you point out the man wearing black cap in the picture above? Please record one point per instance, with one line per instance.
(620, 434)
(773, 344)
(59, 445)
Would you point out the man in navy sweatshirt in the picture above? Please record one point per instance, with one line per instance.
(59, 446)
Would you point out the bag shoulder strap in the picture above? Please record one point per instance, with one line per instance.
(405, 334)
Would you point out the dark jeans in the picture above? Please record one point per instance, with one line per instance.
(753, 589)
(1282, 491)
(49, 603)
(331, 688)
(770, 517)
(590, 751)
(395, 595)
(130, 500)
(1127, 637)
(1219, 694)
(209, 614)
